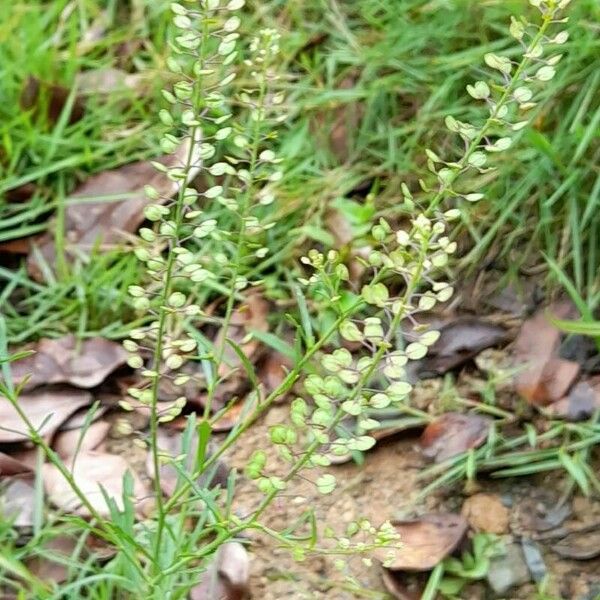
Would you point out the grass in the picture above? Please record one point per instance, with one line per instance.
(369, 83)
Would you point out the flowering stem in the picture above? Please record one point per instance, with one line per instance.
(245, 203)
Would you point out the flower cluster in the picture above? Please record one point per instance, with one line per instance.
(205, 236)
(509, 95)
(405, 274)
(212, 235)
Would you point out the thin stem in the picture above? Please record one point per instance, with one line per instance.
(358, 389)
(245, 200)
(164, 313)
(508, 90)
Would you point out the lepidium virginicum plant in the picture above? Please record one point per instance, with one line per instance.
(405, 270)
(210, 240)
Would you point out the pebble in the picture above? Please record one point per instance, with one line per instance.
(508, 570)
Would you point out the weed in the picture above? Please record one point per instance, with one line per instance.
(223, 235)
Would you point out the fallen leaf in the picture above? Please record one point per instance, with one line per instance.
(95, 222)
(170, 444)
(49, 100)
(64, 360)
(47, 409)
(400, 589)
(340, 227)
(543, 377)
(93, 32)
(17, 502)
(92, 472)
(78, 419)
(453, 433)
(21, 193)
(11, 466)
(249, 316)
(485, 512)
(20, 246)
(513, 300)
(273, 370)
(579, 545)
(580, 404)
(229, 419)
(424, 542)
(50, 560)
(460, 340)
(26, 454)
(227, 576)
(542, 511)
(65, 442)
(145, 410)
(347, 120)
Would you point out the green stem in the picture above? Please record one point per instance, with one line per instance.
(164, 313)
(508, 91)
(357, 391)
(245, 203)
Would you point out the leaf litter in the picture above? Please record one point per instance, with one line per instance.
(170, 443)
(84, 364)
(452, 434)
(108, 206)
(227, 577)
(426, 541)
(47, 410)
(446, 436)
(543, 377)
(96, 474)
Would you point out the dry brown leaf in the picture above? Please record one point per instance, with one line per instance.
(226, 422)
(543, 377)
(229, 419)
(273, 370)
(460, 340)
(26, 454)
(170, 443)
(485, 512)
(347, 121)
(21, 193)
(425, 541)
(104, 222)
(49, 100)
(580, 404)
(227, 576)
(20, 246)
(91, 471)
(12, 466)
(48, 563)
(579, 545)
(78, 419)
(249, 316)
(84, 365)
(47, 409)
(17, 502)
(394, 583)
(65, 442)
(453, 433)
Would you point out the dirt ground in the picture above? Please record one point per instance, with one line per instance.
(379, 490)
(385, 488)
